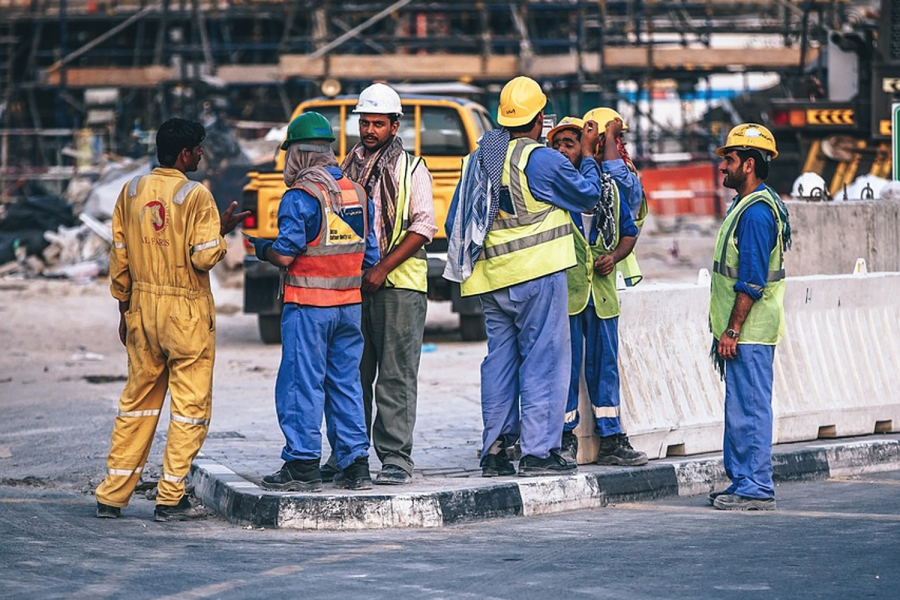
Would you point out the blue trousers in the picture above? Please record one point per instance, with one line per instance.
(319, 374)
(748, 421)
(527, 365)
(595, 340)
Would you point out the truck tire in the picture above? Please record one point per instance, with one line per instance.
(472, 328)
(270, 328)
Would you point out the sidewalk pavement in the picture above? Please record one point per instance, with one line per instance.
(245, 442)
(448, 488)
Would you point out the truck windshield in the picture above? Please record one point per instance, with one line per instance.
(442, 132)
(333, 114)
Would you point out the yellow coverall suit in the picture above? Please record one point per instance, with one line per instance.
(166, 239)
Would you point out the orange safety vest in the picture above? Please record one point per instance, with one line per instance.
(329, 273)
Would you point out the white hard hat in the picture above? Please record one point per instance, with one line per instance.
(378, 99)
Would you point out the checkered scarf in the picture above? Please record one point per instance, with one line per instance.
(479, 203)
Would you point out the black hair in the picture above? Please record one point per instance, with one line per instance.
(520, 129)
(760, 164)
(175, 135)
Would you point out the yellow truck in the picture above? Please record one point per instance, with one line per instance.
(440, 129)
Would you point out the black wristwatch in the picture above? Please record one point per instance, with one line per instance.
(732, 333)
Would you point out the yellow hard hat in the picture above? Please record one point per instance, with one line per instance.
(566, 123)
(750, 135)
(520, 100)
(602, 115)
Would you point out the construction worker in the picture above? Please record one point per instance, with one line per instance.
(324, 241)
(394, 289)
(746, 314)
(602, 240)
(510, 242)
(615, 161)
(167, 235)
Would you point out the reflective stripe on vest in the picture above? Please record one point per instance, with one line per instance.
(411, 274)
(584, 283)
(329, 272)
(533, 241)
(765, 322)
(628, 266)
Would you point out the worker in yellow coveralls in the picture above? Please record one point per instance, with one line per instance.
(167, 235)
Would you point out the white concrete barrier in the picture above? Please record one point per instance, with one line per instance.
(837, 372)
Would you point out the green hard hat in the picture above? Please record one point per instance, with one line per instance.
(308, 126)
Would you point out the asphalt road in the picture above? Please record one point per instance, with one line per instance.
(829, 539)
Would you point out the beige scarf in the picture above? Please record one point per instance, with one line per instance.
(305, 166)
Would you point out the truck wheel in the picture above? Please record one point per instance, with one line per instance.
(472, 328)
(270, 328)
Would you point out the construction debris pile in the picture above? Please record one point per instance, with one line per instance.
(69, 235)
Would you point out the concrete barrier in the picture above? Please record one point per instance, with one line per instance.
(829, 236)
(837, 372)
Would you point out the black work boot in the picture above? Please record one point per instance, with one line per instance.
(356, 476)
(532, 466)
(569, 447)
(105, 511)
(497, 465)
(617, 450)
(295, 476)
(392, 475)
(183, 511)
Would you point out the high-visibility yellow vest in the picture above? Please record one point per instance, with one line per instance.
(411, 274)
(584, 282)
(765, 323)
(629, 267)
(532, 241)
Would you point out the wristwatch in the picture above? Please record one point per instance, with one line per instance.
(732, 333)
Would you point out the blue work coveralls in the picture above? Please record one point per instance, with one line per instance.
(748, 378)
(596, 341)
(321, 350)
(529, 347)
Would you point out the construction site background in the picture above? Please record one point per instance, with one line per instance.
(84, 84)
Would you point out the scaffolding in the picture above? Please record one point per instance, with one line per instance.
(258, 58)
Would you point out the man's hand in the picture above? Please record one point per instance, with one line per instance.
(604, 264)
(728, 347)
(590, 136)
(261, 247)
(373, 278)
(613, 129)
(228, 220)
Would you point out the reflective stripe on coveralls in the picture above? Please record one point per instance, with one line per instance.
(411, 274)
(765, 322)
(595, 342)
(533, 241)
(329, 272)
(170, 327)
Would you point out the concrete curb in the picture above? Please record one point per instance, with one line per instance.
(243, 502)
